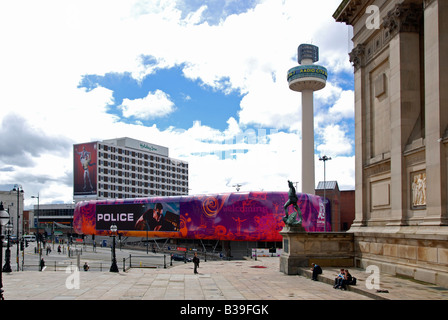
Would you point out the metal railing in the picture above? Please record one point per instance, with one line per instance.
(145, 261)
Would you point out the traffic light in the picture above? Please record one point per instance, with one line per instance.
(21, 245)
(26, 243)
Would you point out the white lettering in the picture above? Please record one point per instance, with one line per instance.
(245, 309)
(373, 281)
(73, 280)
(115, 217)
(373, 21)
(197, 310)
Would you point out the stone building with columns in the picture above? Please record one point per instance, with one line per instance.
(401, 128)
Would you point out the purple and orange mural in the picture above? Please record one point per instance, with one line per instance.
(240, 216)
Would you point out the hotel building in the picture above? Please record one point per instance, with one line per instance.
(126, 168)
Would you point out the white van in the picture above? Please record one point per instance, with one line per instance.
(29, 237)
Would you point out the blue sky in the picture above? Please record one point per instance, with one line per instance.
(207, 79)
(191, 98)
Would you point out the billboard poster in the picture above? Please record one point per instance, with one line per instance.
(85, 158)
(159, 216)
(243, 216)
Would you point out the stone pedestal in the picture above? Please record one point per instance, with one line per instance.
(301, 249)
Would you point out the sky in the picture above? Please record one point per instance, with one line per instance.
(207, 79)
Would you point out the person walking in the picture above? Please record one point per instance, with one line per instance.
(196, 262)
(42, 264)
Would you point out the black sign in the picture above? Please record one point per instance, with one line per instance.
(138, 216)
(124, 216)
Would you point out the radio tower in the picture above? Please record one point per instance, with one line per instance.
(307, 78)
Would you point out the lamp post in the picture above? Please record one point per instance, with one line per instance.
(37, 226)
(18, 188)
(7, 266)
(325, 159)
(4, 218)
(113, 267)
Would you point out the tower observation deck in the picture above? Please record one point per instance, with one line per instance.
(307, 78)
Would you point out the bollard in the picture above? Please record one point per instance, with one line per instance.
(164, 261)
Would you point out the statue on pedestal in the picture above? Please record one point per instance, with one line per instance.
(290, 219)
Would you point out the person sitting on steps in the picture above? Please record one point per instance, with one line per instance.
(338, 279)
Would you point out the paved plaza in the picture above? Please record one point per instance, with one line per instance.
(217, 280)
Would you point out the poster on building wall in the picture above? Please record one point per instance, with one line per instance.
(159, 216)
(240, 216)
(85, 158)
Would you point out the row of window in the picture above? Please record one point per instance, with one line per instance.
(135, 154)
(144, 186)
(146, 182)
(52, 212)
(129, 174)
(141, 165)
(146, 193)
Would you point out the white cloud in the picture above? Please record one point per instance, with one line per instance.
(340, 169)
(344, 108)
(335, 141)
(154, 105)
(52, 44)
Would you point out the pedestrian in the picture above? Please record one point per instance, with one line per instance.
(59, 249)
(86, 266)
(338, 279)
(347, 280)
(196, 262)
(42, 264)
(316, 271)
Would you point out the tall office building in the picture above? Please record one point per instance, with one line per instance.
(126, 168)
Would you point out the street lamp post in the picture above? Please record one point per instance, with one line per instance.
(18, 188)
(325, 159)
(113, 267)
(37, 228)
(4, 218)
(7, 266)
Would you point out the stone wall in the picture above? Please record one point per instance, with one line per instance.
(301, 249)
(422, 257)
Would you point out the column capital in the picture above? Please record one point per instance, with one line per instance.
(405, 17)
(357, 56)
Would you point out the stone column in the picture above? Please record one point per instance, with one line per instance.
(357, 59)
(403, 23)
(308, 142)
(436, 113)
